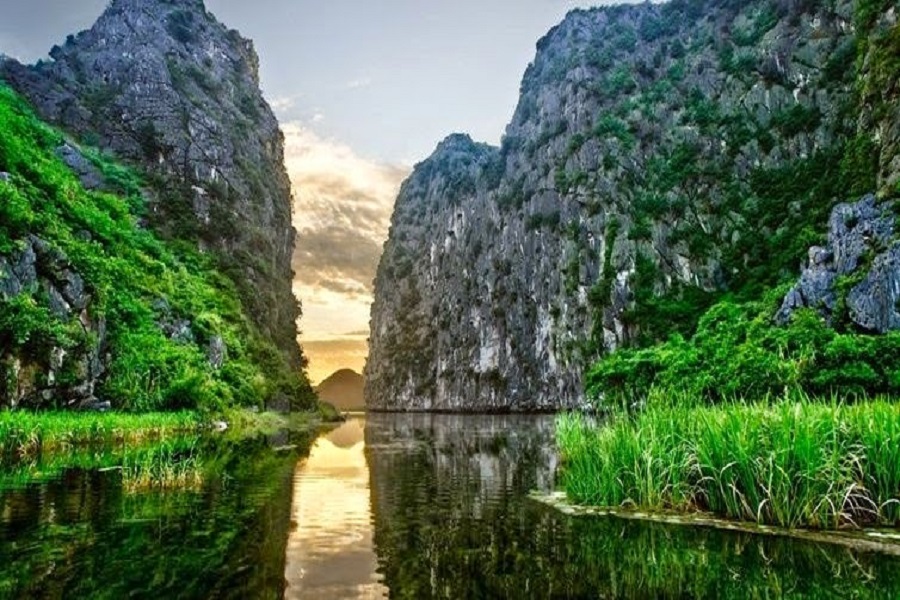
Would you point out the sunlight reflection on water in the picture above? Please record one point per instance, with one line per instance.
(330, 552)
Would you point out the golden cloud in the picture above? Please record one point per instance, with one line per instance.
(342, 211)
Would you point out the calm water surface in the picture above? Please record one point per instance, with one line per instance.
(400, 506)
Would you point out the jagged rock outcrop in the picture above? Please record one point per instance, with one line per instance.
(167, 86)
(857, 271)
(64, 377)
(660, 156)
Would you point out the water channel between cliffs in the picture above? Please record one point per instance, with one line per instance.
(401, 506)
(419, 506)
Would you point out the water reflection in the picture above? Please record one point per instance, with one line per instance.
(92, 532)
(330, 551)
(406, 506)
(453, 520)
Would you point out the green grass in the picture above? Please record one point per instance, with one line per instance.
(792, 462)
(160, 450)
(26, 433)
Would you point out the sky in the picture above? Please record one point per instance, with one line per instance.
(363, 90)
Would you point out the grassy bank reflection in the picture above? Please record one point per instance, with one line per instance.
(453, 520)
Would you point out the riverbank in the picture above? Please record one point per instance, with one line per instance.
(25, 434)
(790, 462)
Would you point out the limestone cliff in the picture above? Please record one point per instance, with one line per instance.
(660, 157)
(166, 86)
(163, 283)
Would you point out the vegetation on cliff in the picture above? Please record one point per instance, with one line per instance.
(169, 331)
(784, 208)
(741, 395)
(663, 158)
(144, 84)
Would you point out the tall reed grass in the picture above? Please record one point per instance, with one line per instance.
(25, 433)
(792, 462)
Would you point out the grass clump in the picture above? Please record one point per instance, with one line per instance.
(790, 462)
(26, 433)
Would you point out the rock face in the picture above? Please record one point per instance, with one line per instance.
(167, 86)
(858, 271)
(659, 157)
(67, 377)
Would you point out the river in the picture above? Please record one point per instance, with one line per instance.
(400, 506)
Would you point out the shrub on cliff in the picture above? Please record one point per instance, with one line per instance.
(737, 351)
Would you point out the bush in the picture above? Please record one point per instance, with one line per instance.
(737, 352)
(180, 25)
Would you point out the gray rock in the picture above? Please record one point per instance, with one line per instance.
(873, 303)
(503, 263)
(5, 177)
(179, 330)
(89, 175)
(92, 404)
(167, 86)
(861, 246)
(34, 380)
(216, 352)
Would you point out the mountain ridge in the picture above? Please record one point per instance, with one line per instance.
(169, 88)
(343, 389)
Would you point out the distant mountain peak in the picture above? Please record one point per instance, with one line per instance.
(343, 389)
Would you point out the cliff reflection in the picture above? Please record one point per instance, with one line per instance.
(452, 519)
(448, 495)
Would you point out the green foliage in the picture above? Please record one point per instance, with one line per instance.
(609, 126)
(738, 63)
(867, 11)
(27, 323)
(792, 462)
(754, 226)
(575, 143)
(797, 119)
(539, 221)
(883, 65)
(738, 352)
(129, 274)
(702, 111)
(180, 25)
(567, 181)
(619, 82)
(841, 65)
(765, 19)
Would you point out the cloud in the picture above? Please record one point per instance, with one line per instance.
(283, 104)
(342, 209)
(361, 82)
